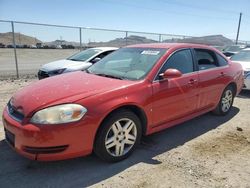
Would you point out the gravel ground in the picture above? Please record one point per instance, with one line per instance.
(208, 151)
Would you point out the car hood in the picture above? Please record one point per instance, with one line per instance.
(245, 65)
(67, 64)
(65, 88)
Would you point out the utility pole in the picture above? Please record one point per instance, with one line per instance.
(238, 31)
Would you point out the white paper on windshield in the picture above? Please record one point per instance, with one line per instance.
(150, 52)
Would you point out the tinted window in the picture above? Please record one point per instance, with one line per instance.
(206, 59)
(222, 61)
(84, 55)
(102, 55)
(181, 60)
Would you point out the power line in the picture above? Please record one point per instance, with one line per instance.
(167, 11)
(199, 7)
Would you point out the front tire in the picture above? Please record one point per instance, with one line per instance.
(118, 136)
(226, 102)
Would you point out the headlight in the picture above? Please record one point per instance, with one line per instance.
(58, 71)
(59, 114)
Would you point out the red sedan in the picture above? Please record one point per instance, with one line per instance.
(135, 91)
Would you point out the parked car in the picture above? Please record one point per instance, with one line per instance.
(243, 57)
(137, 90)
(2, 45)
(79, 61)
(33, 46)
(10, 46)
(220, 48)
(233, 49)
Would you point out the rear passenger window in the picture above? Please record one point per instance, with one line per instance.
(222, 61)
(206, 59)
(181, 60)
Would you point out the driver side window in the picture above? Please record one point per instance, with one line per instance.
(181, 60)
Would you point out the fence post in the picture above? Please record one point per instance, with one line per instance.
(14, 46)
(80, 32)
(126, 37)
(159, 37)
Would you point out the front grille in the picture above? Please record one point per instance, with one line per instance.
(42, 74)
(246, 73)
(14, 113)
(44, 150)
(10, 137)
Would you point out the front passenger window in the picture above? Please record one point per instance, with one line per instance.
(181, 60)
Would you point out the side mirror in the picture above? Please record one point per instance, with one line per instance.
(170, 73)
(96, 60)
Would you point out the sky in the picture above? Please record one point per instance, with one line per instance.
(180, 17)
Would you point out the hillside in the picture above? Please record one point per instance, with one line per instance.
(132, 39)
(215, 40)
(6, 38)
(63, 42)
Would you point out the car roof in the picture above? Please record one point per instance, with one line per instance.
(105, 48)
(169, 45)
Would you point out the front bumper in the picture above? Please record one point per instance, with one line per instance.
(49, 143)
(246, 83)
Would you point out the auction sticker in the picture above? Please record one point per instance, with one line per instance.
(150, 52)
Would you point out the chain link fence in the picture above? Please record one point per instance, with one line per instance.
(25, 46)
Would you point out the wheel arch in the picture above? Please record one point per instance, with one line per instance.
(234, 86)
(130, 107)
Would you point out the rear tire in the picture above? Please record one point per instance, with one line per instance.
(226, 101)
(118, 136)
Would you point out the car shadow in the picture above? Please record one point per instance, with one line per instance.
(244, 94)
(16, 171)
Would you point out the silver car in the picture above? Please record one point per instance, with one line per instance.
(79, 61)
(243, 57)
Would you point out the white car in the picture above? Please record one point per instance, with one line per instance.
(79, 61)
(243, 57)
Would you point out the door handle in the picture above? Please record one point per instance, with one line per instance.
(222, 74)
(192, 81)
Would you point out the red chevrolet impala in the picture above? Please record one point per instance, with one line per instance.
(135, 91)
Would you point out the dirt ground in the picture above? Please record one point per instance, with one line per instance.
(208, 151)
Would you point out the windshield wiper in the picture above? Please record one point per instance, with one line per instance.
(75, 59)
(108, 76)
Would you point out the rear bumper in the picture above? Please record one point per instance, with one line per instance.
(50, 143)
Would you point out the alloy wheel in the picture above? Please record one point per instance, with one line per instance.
(227, 100)
(121, 137)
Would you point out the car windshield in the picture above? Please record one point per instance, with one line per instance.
(241, 56)
(127, 63)
(84, 55)
(233, 48)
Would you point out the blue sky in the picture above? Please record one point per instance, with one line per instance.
(182, 17)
